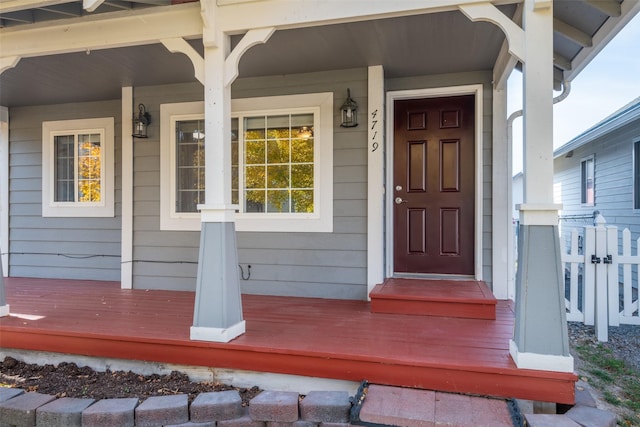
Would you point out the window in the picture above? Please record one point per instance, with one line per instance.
(77, 163)
(636, 174)
(282, 163)
(587, 167)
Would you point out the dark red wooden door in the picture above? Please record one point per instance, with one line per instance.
(434, 185)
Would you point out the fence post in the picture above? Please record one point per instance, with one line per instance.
(602, 318)
(612, 275)
(588, 281)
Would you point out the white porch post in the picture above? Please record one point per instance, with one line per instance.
(218, 306)
(540, 337)
(4, 307)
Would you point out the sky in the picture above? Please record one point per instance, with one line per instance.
(607, 83)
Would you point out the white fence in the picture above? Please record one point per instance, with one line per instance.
(599, 279)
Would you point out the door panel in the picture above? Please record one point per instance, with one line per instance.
(434, 185)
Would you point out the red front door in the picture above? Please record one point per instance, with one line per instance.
(434, 185)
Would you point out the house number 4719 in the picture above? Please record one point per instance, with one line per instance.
(374, 126)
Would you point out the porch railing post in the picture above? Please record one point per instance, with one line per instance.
(613, 285)
(589, 276)
(4, 307)
(602, 318)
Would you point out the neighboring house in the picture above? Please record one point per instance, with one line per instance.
(321, 208)
(599, 170)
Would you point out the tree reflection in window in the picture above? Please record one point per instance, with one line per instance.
(279, 163)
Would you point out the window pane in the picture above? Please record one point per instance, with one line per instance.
(254, 128)
(254, 152)
(302, 201)
(278, 177)
(89, 168)
(302, 176)
(235, 182)
(254, 177)
(278, 151)
(254, 201)
(278, 201)
(302, 150)
(64, 168)
(278, 127)
(190, 165)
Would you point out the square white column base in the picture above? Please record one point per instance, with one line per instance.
(203, 333)
(540, 362)
(4, 310)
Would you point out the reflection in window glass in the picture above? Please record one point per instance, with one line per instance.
(78, 168)
(189, 165)
(279, 163)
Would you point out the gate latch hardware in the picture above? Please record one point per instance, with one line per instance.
(595, 259)
(608, 260)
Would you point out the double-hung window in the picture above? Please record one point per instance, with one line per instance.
(587, 171)
(77, 163)
(282, 163)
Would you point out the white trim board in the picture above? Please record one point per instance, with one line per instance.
(477, 91)
(4, 189)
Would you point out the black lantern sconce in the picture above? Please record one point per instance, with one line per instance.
(349, 112)
(141, 122)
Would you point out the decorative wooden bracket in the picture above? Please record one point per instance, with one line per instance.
(251, 38)
(91, 5)
(208, 10)
(180, 45)
(489, 13)
(8, 62)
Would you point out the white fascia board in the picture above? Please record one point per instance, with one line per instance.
(602, 37)
(103, 31)
(7, 6)
(237, 17)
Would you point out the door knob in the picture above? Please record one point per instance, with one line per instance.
(399, 200)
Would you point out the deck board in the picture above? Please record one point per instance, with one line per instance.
(304, 336)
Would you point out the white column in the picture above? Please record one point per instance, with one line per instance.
(126, 230)
(501, 206)
(375, 178)
(218, 306)
(540, 337)
(4, 188)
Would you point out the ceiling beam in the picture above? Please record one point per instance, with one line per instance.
(24, 17)
(608, 30)
(93, 32)
(71, 10)
(572, 33)
(608, 7)
(7, 6)
(239, 17)
(561, 62)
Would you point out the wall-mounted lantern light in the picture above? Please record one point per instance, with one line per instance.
(349, 112)
(141, 122)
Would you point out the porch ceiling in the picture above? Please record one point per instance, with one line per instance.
(424, 44)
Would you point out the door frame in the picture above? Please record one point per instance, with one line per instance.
(440, 92)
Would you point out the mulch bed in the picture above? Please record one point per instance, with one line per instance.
(69, 380)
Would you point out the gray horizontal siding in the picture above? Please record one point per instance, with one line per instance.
(299, 264)
(613, 181)
(66, 248)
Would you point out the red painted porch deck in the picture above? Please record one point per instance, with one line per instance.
(301, 336)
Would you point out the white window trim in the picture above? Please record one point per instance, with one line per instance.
(169, 114)
(104, 208)
(320, 221)
(582, 182)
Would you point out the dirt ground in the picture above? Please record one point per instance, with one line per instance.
(69, 380)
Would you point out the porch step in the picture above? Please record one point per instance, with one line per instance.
(396, 406)
(469, 299)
